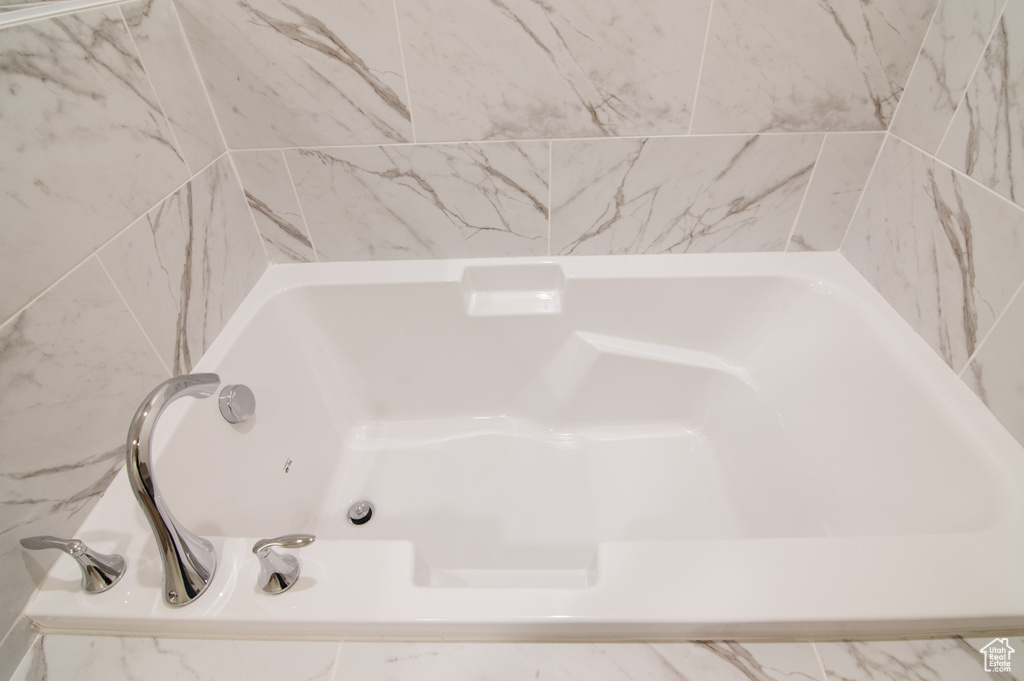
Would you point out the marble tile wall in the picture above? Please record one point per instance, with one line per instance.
(125, 242)
(940, 225)
(418, 129)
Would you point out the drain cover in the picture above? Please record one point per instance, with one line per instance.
(360, 512)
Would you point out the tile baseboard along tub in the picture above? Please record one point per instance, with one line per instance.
(67, 658)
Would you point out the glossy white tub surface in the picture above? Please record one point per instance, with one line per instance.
(624, 447)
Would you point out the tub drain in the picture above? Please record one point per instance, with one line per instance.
(360, 512)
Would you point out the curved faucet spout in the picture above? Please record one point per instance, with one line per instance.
(188, 560)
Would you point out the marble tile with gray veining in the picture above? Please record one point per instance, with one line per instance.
(678, 195)
(84, 147)
(185, 266)
(317, 73)
(840, 174)
(73, 368)
(986, 137)
(158, 37)
(807, 65)
(931, 660)
(578, 661)
(432, 201)
(754, 661)
(954, 44)
(268, 189)
(90, 658)
(946, 253)
(996, 374)
(519, 69)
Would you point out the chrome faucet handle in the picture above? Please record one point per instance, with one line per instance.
(277, 571)
(99, 570)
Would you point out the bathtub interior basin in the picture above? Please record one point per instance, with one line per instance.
(729, 445)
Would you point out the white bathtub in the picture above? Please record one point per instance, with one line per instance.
(750, 446)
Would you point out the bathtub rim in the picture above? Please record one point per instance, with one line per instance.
(215, 617)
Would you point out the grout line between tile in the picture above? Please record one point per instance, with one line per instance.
(199, 73)
(700, 69)
(26, 306)
(10, 629)
(917, 60)
(801, 133)
(551, 174)
(158, 203)
(962, 177)
(131, 222)
(252, 216)
(156, 95)
(959, 173)
(298, 202)
(867, 183)
(405, 72)
(974, 74)
(132, 313)
(8, 644)
(1019, 293)
(337, 659)
(32, 12)
(803, 200)
(821, 665)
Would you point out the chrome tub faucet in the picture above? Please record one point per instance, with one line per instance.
(189, 561)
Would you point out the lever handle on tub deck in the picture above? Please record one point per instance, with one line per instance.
(278, 572)
(99, 570)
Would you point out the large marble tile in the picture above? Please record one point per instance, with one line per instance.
(518, 69)
(158, 37)
(271, 196)
(84, 147)
(432, 201)
(840, 174)
(934, 660)
(954, 44)
(996, 373)
(807, 65)
(185, 266)
(577, 661)
(946, 253)
(91, 658)
(675, 195)
(73, 368)
(986, 138)
(317, 73)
